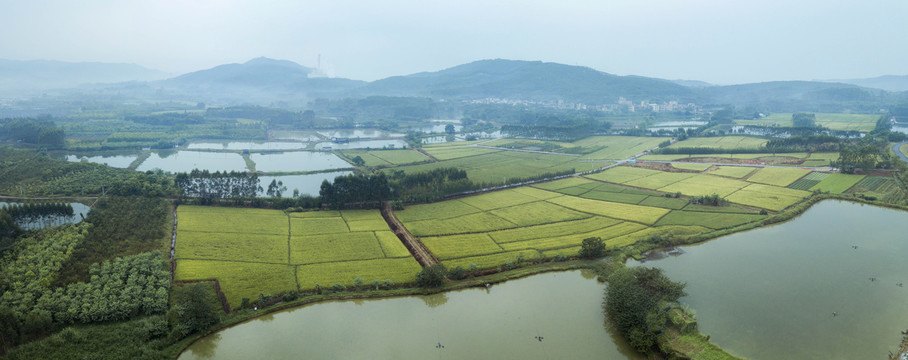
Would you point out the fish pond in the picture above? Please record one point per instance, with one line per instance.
(505, 321)
(298, 161)
(308, 184)
(185, 161)
(826, 285)
(117, 161)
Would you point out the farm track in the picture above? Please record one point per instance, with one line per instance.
(417, 249)
(895, 149)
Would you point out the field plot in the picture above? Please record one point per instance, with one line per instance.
(659, 180)
(732, 171)
(492, 260)
(617, 147)
(642, 214)
(837, 183)
(808, 181)
(455, 151)
(820, 159)
(397, 270)
(536, 213)
(721, 142)
(232, 220)
(561, 184)
(574, 239)
(552, 230)
(499, 166)
(458, 246)
(238, 279)
(705, 185)
(435, 211)
(623, 174)
(231, 246)
(708, 220)
(376, 158)
(875, 184)
(278, 252)
(767, 196)
(855, 122)
(471, 223)
(690, 166)
(498, 199)
(777, 176)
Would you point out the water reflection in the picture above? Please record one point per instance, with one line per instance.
(435, 300)
(206, 347)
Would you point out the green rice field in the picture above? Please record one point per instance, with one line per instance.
(855, 122)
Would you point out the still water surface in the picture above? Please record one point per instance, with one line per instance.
(298, 161)
(499, 323)
(186, 161)
(771, 293)
(307, 184)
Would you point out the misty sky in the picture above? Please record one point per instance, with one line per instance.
(722, 42)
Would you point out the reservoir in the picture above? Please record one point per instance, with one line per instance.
(826, 285)
(502, 322)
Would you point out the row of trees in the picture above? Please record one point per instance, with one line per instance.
(355, 190)
(218, 185)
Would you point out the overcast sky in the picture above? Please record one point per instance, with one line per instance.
(721, 42)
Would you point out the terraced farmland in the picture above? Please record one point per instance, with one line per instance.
(251, 251)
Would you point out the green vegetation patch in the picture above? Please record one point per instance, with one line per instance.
(622, 174)
(239, 280)
(450, 152)
(659, 180)
(498, 199)
(777, 176)
(732, 171)
(767, 196)
(705, 219)
(705, 185)
(837, 183)
(573, 240)
(808, 181)
(690, 166)
(876, 184)
(492, 260)
(721, 142)
(643, 214)
(561, 184)
(552, 230)
(334, 247)
(644, 234)
(472, 223)
(536, 213)
(397, 271)
(316, 226)
(730, 208)
(833, 121)
(315, 214)
(536, 193)
(235, 220)
(614, 196)
(500, 166)
(618, 147)
(664, 202)
(231, 246)
(391, 245)
(434, 211)
(399, 157)
(458, 246)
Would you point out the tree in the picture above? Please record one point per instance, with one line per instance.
(592, 247)
(449, 129)
(632, 302)
(431, 276)
(190, 312)
(276, 188)
(803, 119)
(358, 160)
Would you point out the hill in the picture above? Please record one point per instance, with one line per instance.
(885, 82)
(527, 80)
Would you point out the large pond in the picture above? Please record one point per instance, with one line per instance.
(117, 161)
(298, 161)
(244, 145)
(185, 161)
(364, 144)
(500, 323)
(307, 184)
(358, 133)
(826, 285)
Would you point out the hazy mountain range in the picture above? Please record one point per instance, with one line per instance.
(266, 81)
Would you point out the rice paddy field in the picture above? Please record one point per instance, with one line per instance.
(721, 142)
(386, 158)
(251, 251)
(553, 218)
(496, 166)
(777, 176)
(855, 122)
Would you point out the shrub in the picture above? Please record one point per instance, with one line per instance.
(592, 247)
(457, 273)
(431, 276)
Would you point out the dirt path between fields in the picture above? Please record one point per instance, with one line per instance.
(419, 251)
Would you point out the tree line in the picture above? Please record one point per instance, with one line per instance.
(218, 185)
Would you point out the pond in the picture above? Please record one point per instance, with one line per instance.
(80, 211)
(304, 136)
(307, 184)
(499, 323)
(185, 161)
(117, 161)
(364, 144)
(358, 133)
(298, 161)
(825, 285)
(241, 145)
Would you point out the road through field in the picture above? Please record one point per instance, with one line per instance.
(895, 149)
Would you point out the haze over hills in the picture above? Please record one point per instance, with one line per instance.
(283, 83)
(33, 75)
(885, 82)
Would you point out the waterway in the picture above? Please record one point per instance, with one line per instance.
(825, 285)
(503, 322)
